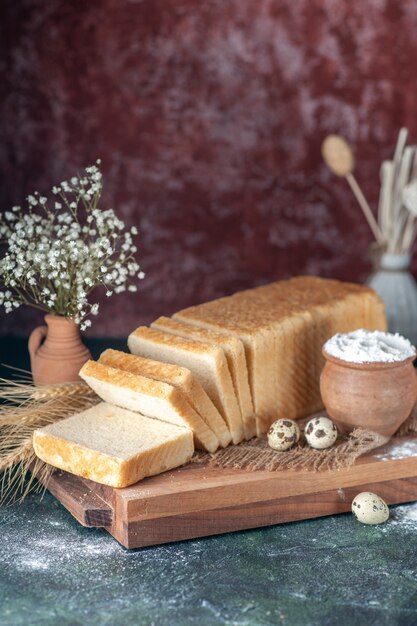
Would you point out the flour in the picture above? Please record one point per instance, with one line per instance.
(365, 346)
(49, 540)
(401, 450)
(405, 514)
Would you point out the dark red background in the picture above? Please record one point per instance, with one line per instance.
(208, 116)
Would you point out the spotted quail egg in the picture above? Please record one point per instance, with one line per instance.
(320, 433)
(283, 434)
(369, 508)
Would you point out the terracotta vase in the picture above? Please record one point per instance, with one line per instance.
(56, 351)
(375, 396)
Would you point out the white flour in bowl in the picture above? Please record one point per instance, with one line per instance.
(366, 346)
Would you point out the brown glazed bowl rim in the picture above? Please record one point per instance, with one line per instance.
(370, 366)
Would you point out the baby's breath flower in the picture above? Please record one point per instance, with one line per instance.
(53, 261)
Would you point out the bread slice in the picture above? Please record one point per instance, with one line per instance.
(152, 398)
(283, 326)
(113, 446)
(179, 377)
(236, 360)
(207, 362)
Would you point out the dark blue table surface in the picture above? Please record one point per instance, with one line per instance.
(331, 571)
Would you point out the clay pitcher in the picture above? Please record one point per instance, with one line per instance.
(56, 351)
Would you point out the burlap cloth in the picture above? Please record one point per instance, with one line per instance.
(257, 455)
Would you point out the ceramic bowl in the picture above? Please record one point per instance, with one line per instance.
(374, 396)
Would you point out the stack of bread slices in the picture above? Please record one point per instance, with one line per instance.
(213, 374)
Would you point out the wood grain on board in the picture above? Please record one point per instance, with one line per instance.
(199, 500)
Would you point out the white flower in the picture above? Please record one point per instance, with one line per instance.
(141, 275)
(56, 258)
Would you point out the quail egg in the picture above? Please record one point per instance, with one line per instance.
(320, 433)
(283, 434)
(369, 508)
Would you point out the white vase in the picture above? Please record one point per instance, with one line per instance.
(395, 284)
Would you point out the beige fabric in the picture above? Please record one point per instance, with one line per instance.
(256, 455)
(207, 362)
(149, 397)
(179, 377)
(236, 360)
(113, 446)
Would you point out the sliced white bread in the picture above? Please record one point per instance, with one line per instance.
(152, 398)
(113, 446)
(282, 326)
(177, 376)
(207, 362)
(236, 360)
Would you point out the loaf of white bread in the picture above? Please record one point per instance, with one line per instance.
(113, 446)
(283, 327)
(214, 373)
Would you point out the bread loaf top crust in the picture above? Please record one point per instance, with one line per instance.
(255, 310)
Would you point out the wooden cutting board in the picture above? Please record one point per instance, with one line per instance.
(199, 500)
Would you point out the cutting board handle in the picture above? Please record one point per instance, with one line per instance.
(86, 506)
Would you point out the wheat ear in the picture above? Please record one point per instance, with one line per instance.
(26, 408)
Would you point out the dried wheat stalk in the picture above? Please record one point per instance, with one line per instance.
(24, 408)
